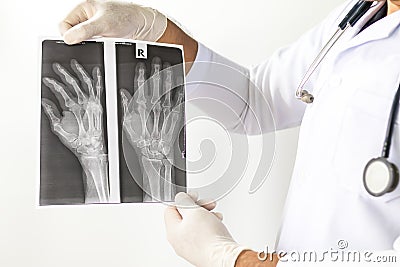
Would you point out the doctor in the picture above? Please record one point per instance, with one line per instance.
(341, 130)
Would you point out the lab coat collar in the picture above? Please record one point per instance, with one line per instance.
(379, 30)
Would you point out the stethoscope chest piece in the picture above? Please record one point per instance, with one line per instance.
(380, 177)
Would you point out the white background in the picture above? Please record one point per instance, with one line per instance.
(245, 31)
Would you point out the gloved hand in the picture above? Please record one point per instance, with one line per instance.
(198, 235)
(109, 18)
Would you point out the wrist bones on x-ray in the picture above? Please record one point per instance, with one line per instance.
(96, 182)
(156, 144)
(80, 127)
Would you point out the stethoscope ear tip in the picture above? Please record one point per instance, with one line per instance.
(306, 97)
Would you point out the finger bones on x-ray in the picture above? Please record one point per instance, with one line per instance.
(158, 123)
(87, 111)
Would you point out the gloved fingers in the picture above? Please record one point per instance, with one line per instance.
(185, 204)
(80, 13)
(94, 2)
(218, 215)
(184, 200)
(194, 195)
(94, 26)
(208, 204)
(172, 215)
(172, 219)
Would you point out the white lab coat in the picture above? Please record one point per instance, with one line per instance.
(340, 132)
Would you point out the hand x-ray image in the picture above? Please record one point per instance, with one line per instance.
(151, 122)
(146, 83)
(74, 162)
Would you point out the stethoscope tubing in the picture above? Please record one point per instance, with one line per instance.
(394, 111)
(351, 18)
(319, 58)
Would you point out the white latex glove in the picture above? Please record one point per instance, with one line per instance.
(108, 18)
(198, 235)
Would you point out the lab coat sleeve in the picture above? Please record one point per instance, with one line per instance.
(262, 98)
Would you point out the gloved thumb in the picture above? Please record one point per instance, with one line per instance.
(84, 31)
(219, 215)
(185, 204)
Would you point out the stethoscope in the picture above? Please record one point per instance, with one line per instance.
(380, 175)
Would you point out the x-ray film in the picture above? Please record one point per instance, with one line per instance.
(112, 122)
